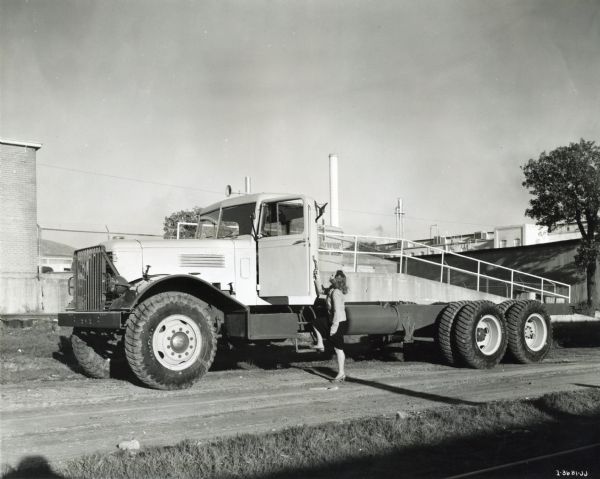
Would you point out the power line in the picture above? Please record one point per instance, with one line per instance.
(137, 180)
(220, 193)
(100, 231)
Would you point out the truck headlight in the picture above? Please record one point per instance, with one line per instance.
(117, 285)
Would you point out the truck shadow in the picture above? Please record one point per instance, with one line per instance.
(471, 452)
(65, 355)
(119, 369)
(328, 373)
(283, 356)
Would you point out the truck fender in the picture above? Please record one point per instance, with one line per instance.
(186, 284)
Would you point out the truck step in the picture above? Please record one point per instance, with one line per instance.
(305, 348)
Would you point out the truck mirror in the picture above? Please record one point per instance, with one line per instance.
(255, 233)
(320, 209)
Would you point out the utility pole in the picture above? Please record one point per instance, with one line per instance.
(399, 212)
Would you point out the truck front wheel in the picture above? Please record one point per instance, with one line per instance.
(170, 340)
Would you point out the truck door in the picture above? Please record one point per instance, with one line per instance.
(283, 250)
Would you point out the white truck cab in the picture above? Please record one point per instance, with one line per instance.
(256, 247)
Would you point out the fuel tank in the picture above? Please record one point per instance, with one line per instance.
(372, 319)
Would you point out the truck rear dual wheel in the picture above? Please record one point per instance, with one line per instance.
(445, 331)
(99, 353)
(480, 335)
(170, 341)
(529, 331)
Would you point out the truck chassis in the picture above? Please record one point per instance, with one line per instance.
(165, 327)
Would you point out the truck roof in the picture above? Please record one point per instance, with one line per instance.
(252, 198)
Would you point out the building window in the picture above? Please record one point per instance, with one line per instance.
(502, 243)
(517, 242)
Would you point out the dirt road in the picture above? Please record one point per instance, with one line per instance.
(66, 418)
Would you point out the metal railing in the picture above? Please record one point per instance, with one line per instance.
(373, 253)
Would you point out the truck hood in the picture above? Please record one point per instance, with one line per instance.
(210, 259)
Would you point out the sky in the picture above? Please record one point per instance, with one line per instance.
(147, 107)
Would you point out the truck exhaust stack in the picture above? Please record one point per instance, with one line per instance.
(333, 190)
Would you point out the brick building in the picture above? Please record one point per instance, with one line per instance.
(19, 290)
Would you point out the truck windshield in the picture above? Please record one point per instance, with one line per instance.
(227, 222)
(207, 225)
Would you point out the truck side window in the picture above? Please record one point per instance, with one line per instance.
(283, 218)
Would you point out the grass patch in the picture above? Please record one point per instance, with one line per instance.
(430, 444)
(35, 353)
(38, 341)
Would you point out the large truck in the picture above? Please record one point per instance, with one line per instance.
(159, 306)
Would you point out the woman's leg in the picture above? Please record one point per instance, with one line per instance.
(341, 359)
(319, 344)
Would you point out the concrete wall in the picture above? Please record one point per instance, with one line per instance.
(54, 292)
(21, 295)
(402, 287)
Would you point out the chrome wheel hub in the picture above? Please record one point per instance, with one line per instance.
(176, 342)
(535, 332)
(488, 334)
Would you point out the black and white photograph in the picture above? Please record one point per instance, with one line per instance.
(288, 239)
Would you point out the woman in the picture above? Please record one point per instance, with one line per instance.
(336, 310)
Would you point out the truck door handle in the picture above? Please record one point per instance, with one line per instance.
(302, 241)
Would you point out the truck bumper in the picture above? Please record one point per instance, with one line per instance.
(94, 319)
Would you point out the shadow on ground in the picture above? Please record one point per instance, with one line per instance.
(32, 467)
(561, 432)
(328, 373)
(283, 355)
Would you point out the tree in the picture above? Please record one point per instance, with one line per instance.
(565, 184)
(187, 216)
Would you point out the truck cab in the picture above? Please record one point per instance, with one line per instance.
(256, 248)
(274, 238)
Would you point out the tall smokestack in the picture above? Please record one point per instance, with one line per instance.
(247, 182)
(333, 190)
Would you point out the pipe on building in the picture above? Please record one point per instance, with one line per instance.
(333, 191)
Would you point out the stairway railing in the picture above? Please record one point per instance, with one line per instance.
(373, 253)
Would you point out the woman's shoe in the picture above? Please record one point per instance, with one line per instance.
(338, 379)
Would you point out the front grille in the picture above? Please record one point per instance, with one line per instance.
(90, 279)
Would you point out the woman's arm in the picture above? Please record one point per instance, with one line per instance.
(317, 278)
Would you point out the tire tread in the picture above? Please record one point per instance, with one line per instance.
(136, 329)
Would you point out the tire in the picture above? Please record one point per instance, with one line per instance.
(445, 331)
(480, 335)
(170, 341)
(506, 305)
(99, 353)
(529, 332)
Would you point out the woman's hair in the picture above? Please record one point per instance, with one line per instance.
(339, 281)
